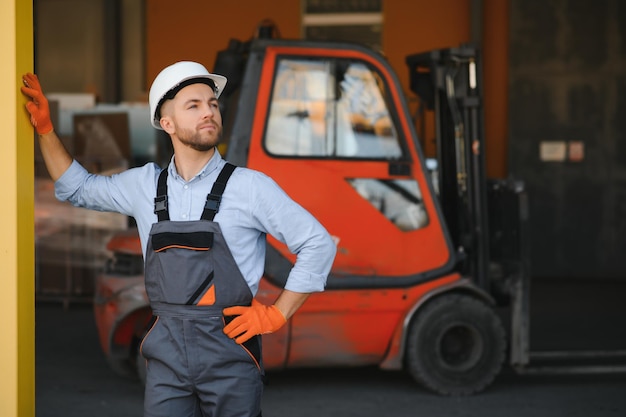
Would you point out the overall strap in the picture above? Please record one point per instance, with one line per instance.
(160, 201)
(213, 200)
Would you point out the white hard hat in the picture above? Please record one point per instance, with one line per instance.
(175, 77)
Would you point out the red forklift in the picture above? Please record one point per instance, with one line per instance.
(432, 268)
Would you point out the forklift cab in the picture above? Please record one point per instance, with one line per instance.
(329, 124)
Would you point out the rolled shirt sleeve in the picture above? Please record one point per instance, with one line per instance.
(299, 230)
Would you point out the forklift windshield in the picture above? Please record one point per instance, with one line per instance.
(329, 108)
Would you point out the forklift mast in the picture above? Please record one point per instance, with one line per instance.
(448, 82)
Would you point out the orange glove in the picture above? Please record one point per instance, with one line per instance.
(253, 320)
(38, 106)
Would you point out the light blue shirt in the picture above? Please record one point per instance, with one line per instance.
(252, 206)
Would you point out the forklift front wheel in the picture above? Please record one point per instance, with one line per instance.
(456, 345)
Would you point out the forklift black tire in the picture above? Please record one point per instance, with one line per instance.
(456, 345)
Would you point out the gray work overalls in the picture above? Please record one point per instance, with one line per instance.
(193, 368)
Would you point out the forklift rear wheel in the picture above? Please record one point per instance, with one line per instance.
(456, 345)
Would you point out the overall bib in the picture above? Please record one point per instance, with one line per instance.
(193, 368)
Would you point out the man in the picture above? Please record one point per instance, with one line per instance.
(202, 223)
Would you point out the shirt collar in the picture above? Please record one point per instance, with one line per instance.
(211, 166)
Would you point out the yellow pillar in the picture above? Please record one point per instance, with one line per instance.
(17, 307)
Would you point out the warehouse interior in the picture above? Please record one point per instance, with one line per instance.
(554, 87)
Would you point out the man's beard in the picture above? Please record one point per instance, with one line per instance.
(196, 141)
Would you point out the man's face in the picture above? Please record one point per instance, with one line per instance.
(193, 117)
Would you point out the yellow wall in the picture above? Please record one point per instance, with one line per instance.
(419, 26)
(17, 308)
(197, 30)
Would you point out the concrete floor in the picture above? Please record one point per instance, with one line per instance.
(74, 380)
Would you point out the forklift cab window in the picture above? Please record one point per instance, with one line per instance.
(329, 108)
(400, 201)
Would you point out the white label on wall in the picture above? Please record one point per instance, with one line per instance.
(552, 151)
